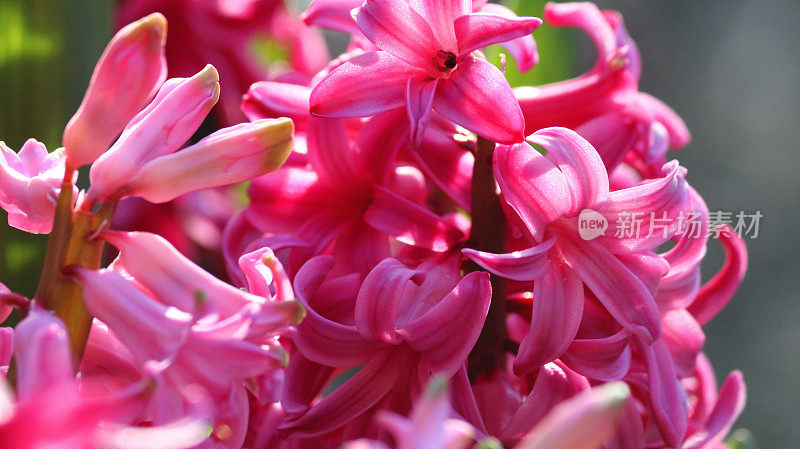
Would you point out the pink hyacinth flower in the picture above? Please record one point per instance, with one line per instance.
(29, 185)
(426, 62)
(125, 79)
(548, 193)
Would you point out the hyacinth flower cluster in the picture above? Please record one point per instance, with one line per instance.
(410, 270)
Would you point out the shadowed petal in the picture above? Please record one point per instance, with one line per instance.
(729, 406)
(525, 265)
(667, 396)
(419, 101)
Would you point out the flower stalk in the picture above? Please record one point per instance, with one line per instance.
(488, 233)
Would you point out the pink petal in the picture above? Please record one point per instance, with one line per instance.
(478, 97)
(536, 189)
(318, 338)
(679, 135)
(620, 291)
(554, 384)
(228, 156)
(342, 93)
(269, 99)
(160, 129)
(589, 19)
(523, 49)
(578, 160)
(42, 354)
(441, 14)
(729, 406)
(379, 298)
(447, 332)
(684, 339)
(396, 28)
(329, 152)
(368, 386)
(715, 293)
(477, 30)
(126, 77)
(603, 359)
(410, 223)
(446, 161)
(419, 101)
(584, 422)
(556, 315)
(657, 202)
(332, 14)
(525, 265)
(667, 396)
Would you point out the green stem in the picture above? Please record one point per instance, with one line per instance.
(488, 233)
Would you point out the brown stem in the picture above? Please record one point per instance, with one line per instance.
(57, 245)
(488, 233)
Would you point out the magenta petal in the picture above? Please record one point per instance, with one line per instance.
(318, 338)
(342, 92)
(557, 310)
(447, 332)
(729, 406)
(378, 302)
(667, 396)
(269, 99)
(410, 223)
(620, 291)
(578, 160)
(478, 97)
(419, 101)
(684, 339)
(536, 189)
(603, 359)
(396, 28)
(525, 265)
(42, 354)
(523, 49)
(368, 386)
(329, 151)
(441, 14)
(332, 14)
(679, 135)
(477, 30)
(715, 293)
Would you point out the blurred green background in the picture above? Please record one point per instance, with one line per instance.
(729, 68)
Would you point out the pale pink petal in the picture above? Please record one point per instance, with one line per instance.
(604, 359)
(578, 160)
(396, 28)
(419, 101)
(525, 265)
(477, 30)
(620, 291)
(378, 302)
(126, 77)
(342, 92)
(536, 189)
(556, 315)
(446, 333)
(228, 156)
(42, 354)
(368, 386)
(585, 422)
(715, 293)
(410, 223)
(729, 406)
(478, 97)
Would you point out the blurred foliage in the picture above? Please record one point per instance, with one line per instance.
(741, 439)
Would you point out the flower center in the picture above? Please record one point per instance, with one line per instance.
(445, 61)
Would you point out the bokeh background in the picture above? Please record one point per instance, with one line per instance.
(730, 68)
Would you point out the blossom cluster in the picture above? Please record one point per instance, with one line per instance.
(411, 268)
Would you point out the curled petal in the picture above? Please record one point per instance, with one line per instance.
(523, 49)
(588, 18)
(478, 97)
(525, 265)
(679, 135)
(715, 293)
(684, 339)
(126, 77)
(342, 92)
(270, 99)
(667, 396)
(477, 30)
(604, 359)
(379, 298)
(729, 406)
(332, 14)
(446, 333)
